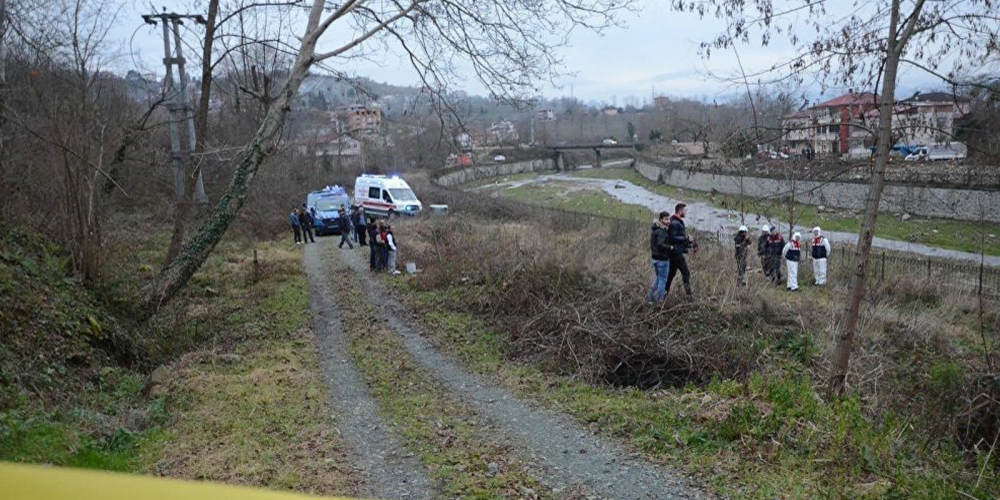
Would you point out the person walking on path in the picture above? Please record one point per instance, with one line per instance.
(792, 252)
(392, 248)
(294, 217)
(765, 231)
(820, 249)
(772, 254)
(659, 248)
(680, 243)
(373, 245)
(742, 244)
(306, 222)
(361, 227)
(344, 224)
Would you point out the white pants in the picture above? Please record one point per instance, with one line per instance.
(793, 274)
(819, 271)
(392, 261)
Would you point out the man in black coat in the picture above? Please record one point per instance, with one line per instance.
(305, 221)
(680, 243)
(741, 242)
(659, 247)
(344, 224)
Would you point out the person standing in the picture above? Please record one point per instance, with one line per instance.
(742, 244)
(792, 252)
(344, 224)
(392, 249)
(820, 249)
(383, 255)
(361, 227)
(680, 243)
(659, 248)
(373, 245)
(305, 221)
(772, 255)
(294, 217)
(765, 231)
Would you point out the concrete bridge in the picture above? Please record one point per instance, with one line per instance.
(596, 148)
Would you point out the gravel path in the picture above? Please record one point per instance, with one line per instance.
(388, 471)
(565, 454)
(705, 217)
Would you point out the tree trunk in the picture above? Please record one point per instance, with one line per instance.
(845, 339)
(180, 269)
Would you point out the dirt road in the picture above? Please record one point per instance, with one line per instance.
(387, 470)
(566, 455)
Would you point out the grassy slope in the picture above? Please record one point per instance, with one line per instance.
(769, 438)
(256, 418)
(944, 233)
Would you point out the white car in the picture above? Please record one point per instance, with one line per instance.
(499, 159)
(609, 142)
(385, 196)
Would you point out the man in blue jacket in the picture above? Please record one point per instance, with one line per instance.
(680, 243)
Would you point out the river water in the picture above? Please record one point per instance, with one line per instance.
(705, 217)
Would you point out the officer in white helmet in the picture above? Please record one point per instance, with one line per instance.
(742, 243)
(820, 250)
(792, 254)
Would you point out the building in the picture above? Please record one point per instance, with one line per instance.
(502, 132)
(361, 119)
(837, 126)
(928, 118)
(609, 111)
(329, 145)
(661, 102)
(546, 115)
(463, 141)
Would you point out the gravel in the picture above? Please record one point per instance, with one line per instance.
(565, 453)
(388, 471)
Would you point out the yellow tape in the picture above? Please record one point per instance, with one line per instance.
(33, 482)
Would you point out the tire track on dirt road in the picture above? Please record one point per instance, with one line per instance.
(566, 454)
(388, 471)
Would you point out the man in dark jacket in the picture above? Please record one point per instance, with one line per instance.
(680, 243)
(742, 243)
(765, 231)
(306, 223)
(344, 224)
(775, 247)
(296, 227)
(659, 247)
(373, 245)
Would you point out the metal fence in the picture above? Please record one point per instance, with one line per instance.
(935, 274)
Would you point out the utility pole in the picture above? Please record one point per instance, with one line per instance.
(177, 102)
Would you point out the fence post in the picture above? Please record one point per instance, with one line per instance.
(928, 268)
(883, 269)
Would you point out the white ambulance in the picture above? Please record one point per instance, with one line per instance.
(385, 196)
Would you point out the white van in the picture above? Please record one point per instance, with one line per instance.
(385, 196)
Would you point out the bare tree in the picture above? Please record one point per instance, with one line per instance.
(862, 45)
(507, 44)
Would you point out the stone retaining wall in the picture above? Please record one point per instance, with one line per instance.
(470, 174)
(961, 204)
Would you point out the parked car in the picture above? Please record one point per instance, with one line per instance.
(938, 152)
(385, 196)
(609, 142)
(499, 158)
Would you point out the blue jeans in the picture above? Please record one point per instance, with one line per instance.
(659, 290)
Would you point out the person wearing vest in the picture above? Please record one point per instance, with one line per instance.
(742, 243)
(772, 254)
(792, 254)
(659, 249)
(820, 252)
(679, 242)
(392, 247)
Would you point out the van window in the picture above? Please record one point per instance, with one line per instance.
(373, 192)
(385, 196)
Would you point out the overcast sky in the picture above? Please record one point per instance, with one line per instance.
(655, 51)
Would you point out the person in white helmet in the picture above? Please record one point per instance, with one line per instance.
(820, 252)
(742, 243)
(792, 253)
